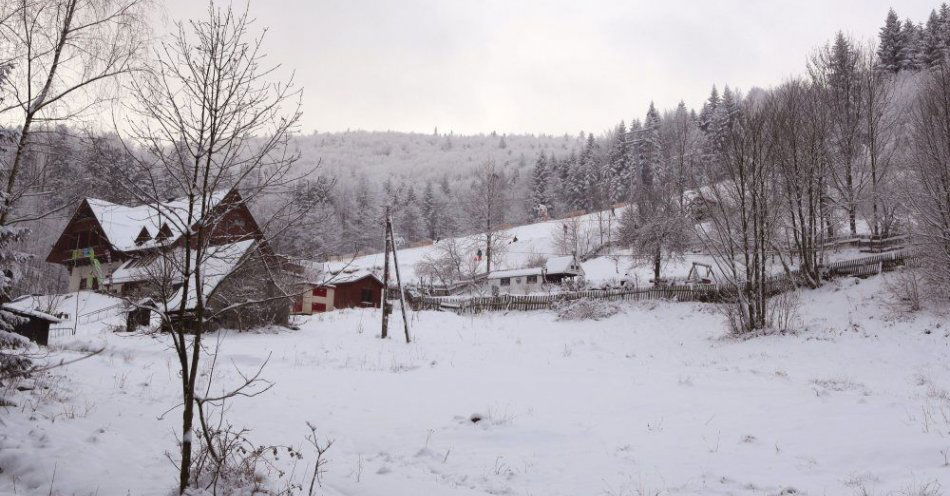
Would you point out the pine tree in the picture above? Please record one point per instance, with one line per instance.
(891, 44)
(592, 195)
(540, 179)
(709, 108)
(650, 148)
(931, 47)
(943, 20)
(618, 177)
(576, 184)
(367, 222)
(410, 220)
(430, 212)
(910, 41)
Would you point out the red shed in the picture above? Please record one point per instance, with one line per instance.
(356, 288)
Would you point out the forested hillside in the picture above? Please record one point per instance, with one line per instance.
(854, 97)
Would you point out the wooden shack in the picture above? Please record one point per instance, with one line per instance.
(34, 325)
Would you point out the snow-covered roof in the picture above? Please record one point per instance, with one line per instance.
(319, 275)
(554, 266)
(66, 304)
(30, 313)
(529, 271)
(123, 224)
(563, 265)
(217, 262)
(352, 276)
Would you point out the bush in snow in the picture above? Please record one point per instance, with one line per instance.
(13, 362)
(905, 287)
(587, 309)
(226, 462)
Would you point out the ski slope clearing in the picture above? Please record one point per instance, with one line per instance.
(653, 400)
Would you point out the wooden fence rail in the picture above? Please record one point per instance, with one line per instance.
(710, 293)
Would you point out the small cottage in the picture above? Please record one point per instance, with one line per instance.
(355, 288)
(555, 272)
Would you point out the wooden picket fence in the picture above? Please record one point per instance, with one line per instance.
(708, 293)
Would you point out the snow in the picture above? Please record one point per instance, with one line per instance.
(653, 400)
(499, 274)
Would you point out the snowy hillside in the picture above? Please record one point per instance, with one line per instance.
(654, 400)
(525, 243)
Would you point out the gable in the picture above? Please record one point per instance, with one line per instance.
(82, 231)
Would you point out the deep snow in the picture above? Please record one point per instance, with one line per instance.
(654, 400)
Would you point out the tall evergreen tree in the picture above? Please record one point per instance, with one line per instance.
(650, 147)
(891, 43)
(910, 43)
(540, 184)
(618, 180)
(709, 108)
(931, 46)
(430, 212)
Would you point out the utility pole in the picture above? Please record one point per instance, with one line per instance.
(402, 292)
(384, 306)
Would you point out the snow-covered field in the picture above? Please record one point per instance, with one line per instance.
(654, 400)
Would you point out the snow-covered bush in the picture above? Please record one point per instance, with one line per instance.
(587, 309)
(905, 287)
(13, 362)
(226, 462)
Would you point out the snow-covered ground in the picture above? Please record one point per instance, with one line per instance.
(653, 400)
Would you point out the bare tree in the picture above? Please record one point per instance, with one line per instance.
(207, 120)
(799, 128)
(741, 206)
(451, 261)
(485, 205)
(837, 70)
(928, 177)
(879, 135)
(64, 58)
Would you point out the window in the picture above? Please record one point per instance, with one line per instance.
(298, 305)
(532, 279)
(318, 307)
(366, 295)
(319, 291)
(82, 283)
(506, 281)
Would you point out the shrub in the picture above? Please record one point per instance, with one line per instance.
(587, 309)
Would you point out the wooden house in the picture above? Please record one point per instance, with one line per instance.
(138, 252)
(102, 236)
(357, 288)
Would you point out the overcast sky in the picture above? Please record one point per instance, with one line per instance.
(541, 67)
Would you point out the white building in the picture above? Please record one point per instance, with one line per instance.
(555, 272)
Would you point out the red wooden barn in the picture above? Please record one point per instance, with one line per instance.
(346, 289)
